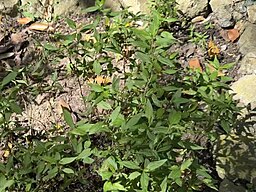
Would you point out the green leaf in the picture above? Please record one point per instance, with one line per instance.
(97, 88)
(149, 113)
(175, 173)
(68, 118)
(85, 153)
(154, 165)
(68, 171)
(104, 105)
(186, 164)
(108, 186)
(133, 121)
(115, 114)
(134, 175)
(143, 57)
(50, 47)
(129, 164)
(15, 108)
(144, 181)
(91, 9)
(11, 76)
(97, 67)
(174, 117)
(82, 129)
(164, 185)
(71, 23)
(225, 125)
(67, 160)
(155, 24)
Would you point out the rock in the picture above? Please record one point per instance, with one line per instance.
(247, 39)
(7, 4)
(217, 5)
(251, 11)
(236, 158)
(223, 12)
(244, 89)
(248, 64)
(136, 6)
(227, 185)
(115, 5)
(192, 8)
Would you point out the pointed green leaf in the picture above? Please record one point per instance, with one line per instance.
(149, 113)
(71, 23)
(186, 164)
(11, 76)
(68, 171)
(154, 165)
(129, 164)
(104, 105)
(68, 118)
(67, 160)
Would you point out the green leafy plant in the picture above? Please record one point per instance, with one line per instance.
(153, 116)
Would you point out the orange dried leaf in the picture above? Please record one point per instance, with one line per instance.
(40, 27)
(213, 49)
(233, 34)
(24, 20)
(194, 63)
(102, 80)
(63, 104)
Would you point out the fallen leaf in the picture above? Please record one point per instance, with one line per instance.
(102, 80)
(63, 104)
(194, 63)
(40, 27)
(17, 38)
(24, 20)
(198, 19)
(233, 34)
(213, 49)
(224, 34)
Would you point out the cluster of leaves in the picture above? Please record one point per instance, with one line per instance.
(150, 113)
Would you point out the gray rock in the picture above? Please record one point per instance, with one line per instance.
(136, 6)
(225, 18)
(236, 158)
(192, 8)
(244, 89)
(7, 4)
(248, 64)
(251, 10)
(247, 39)
(217, 5)
(227, 186)
(222, 10)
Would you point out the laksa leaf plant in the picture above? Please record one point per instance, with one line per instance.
(153, 117)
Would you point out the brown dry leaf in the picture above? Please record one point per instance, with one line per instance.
(213, 49)
(102, 80)
(224, 34)
(17, 38)
(64, 104)
(233, 34)
(194, 63)
(40, 27)
(24, 20)
(212, 69)
(198, 19)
